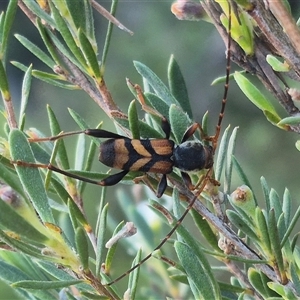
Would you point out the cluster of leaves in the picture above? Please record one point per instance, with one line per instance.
(43, 257)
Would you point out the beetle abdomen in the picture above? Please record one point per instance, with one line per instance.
(138, 155)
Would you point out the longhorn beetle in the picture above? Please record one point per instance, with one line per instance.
(145, 155)
(152, 156)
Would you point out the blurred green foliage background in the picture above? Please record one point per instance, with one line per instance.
(262, 149)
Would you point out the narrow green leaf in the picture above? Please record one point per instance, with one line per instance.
(112, 250)
(228, 164)
(158, 104)
(90, 157)
(287, 207)
(90, 55)
(266, 192)
(206, 230)
(35, 50)
(30, 177)
(295, 277)
(242, 174)
(4, 86)
(134, 276)
(21, 246)
(38, 11)
(14, 222)
(200, 276)
(77, 215)
(275, 203)
(218, 166)
(241, 224)
(10, 179)
(76, 10)
(67, 52)
(178, 87)
(44, 285)
(276, 64)
(291, 226)
(110, 27)
(254, 95)
(179, 121)
(82, 124)
(26, 85)
(67, 35)
(48, 43)
(82, 248)
(8, 22)
(146, 131)
(55, 130)
(289, 121)
(158, 86)
(101, 230)
(262, 230)
(133, 119)
(275, 241)
(282, 290)
(259, 282)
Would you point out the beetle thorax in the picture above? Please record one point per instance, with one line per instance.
(192, 156)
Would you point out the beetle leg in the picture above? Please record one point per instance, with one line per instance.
(100, 133)
(162, 186)
(113, 179)
(165, 125)
(187, 180)
(190, 131)
(110, 180)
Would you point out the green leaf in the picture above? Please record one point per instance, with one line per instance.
(179, 121)
(282, 290)
(101, 230)
(10, 179)
(241, 224)
(276, 64)
(262, 230)
(242, 175)
(35, 50)
(4, 86)
(289, 121)
(30, 177)
(255, 96)
(90, 55)
(200, 276)
(134, 276)
(82, 248)
(12, 221)
(219, 164)
(8, 22)
(55, 130)
(158, 104)
(63, 28)
(228, 164)
(133, 119)
(259, 282)
(25, 94)
(38, 11)
(178, 87)
(44, 285)
(206, 230)
(275, 242)
(112, 250)
(158, 86)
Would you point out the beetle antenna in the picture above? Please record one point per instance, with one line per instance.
(226, 85)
